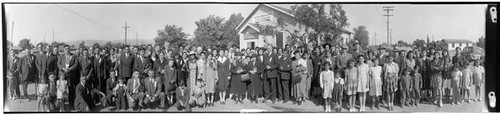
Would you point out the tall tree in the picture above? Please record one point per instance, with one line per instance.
(419, 43)
(57, 44)
(25, 43)
(320, 20)
(481, 42)
(402, 43)
(230, 33)
(361, 35)
(210, 30)
(171, 34)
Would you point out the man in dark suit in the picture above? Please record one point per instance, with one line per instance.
(159, 63)
(41, 63)
(279, 53)
(84, 93)
(272, 73)
(85, 61)
(285, 71)
(126, 64)
(111, 83)
(69, 64)
(153, 92)
(100, 70)
(28, 71)
(141, 63)
(52, 60)
(135, 91)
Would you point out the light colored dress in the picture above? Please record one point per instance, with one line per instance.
(62, 86)
(391, 79)
(192, 75)
(211, 75)
(455, 78)
(352, 80)
(477, 74)
(201, 65)
(363, 72)
(375, 81)
(326, 83)
(465, 82)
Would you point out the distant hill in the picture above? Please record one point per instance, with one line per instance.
(102, 42)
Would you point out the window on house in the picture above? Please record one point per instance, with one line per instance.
(460, 44)
(452, 45)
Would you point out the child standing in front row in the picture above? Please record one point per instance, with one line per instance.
(42, 92)
(62, 91)
(351, 73)
(338, 90)
(375, 74)
(466, 82)
(456, 74)
(406, 86)
(417, 85)
(478, 75)
(119, 92)
(326, 78)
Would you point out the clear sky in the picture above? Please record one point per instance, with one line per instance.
(104, 21)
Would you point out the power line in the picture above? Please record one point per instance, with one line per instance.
(376, 7)
(84, 17)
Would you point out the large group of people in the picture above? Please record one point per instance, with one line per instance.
(135, 77)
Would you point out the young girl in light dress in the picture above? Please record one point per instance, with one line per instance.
(327, 79)
(456, 74)
(466, 82)
(62, 91)
(363, 84)
(375, 83)
(351, 73)
(478, 74)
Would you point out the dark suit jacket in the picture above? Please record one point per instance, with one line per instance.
(73, 63)
(28, 68)
(14, 67)
(286, 67)
(100, 72)
(85, 65)
(41, 63)
(83, 96)
(52, 64)
(158, 66)
(271, 60)
(126, 66)
(142, 65)
(110, 84)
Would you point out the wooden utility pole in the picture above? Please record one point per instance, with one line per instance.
(53, 35)
(388, 9)
(12, 35)
(136, 38)
(126, 27)
(44, 36)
